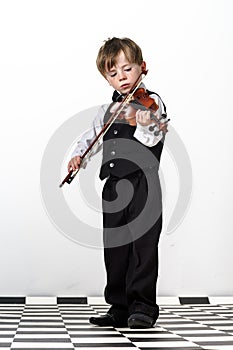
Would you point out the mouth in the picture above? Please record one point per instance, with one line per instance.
(125, 86)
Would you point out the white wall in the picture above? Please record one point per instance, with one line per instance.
(48, 52)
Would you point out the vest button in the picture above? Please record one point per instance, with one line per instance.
(113, 153)
(115, 132)
(111, 165)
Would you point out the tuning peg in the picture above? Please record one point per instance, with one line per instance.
(152, 127)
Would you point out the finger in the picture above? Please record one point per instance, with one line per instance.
(76, 162)
(163, 128)
(138, 118)
(138, 115)
(69, 167)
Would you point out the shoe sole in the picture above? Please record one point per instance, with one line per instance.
(139, 324)
(98, 323)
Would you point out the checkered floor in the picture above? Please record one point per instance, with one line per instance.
(64, 327)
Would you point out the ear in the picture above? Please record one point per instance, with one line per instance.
(143, 66)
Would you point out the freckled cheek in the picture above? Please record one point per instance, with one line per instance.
(134, 76)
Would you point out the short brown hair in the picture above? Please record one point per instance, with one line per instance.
(107, 54)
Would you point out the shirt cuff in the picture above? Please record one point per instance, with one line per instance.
(147, 137)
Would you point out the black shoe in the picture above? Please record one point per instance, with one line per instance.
(139, 320)
(107, 320)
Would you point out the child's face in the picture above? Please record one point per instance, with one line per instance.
(123, 75)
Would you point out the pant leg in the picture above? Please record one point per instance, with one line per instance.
(142, 271)
(116, 264)
(116, 255)
(142, 274)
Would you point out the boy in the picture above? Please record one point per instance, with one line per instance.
(132, 153)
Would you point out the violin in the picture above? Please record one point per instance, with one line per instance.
(142, 96)
(143, 100)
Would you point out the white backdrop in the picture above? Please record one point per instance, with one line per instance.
(48, 74)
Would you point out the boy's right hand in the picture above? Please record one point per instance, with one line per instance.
(74, 163)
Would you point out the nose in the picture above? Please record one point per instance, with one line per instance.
(122, 75)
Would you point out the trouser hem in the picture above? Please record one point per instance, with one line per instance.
(152, 311)
(120, 313)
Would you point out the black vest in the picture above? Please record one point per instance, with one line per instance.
(123, 154)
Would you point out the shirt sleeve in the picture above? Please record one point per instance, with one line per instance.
(143, 133)
(89, 136)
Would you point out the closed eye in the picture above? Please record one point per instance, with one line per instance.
(112, 75)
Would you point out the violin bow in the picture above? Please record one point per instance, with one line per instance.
(126, 100)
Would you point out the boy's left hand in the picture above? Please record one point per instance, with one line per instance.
(143, 117)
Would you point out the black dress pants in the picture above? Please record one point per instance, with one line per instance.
(132, 220)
